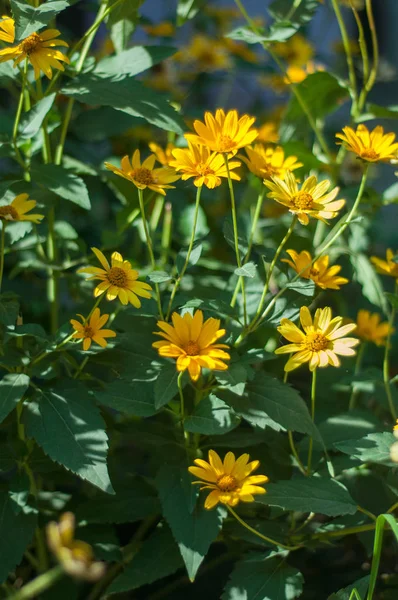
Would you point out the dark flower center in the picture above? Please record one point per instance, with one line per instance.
(192, 348)
(29, 44)
(302, 200)
(8, 213)
(118, 277)
(227, 483)
(143, 176)
(316, 342)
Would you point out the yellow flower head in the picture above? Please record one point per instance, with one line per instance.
(209, 54)
(370, 146)
(91, 331)
(296, 51)
(163, 155)
(388, 266)
(267, 162)
(312, 200)
(207, 167)
(320, 342)
(268, 133)
(320, 273)
(18, 209)
(118, 280)
(144, 175)
(230, 481)
(370, 329)
(163, 29)
(38, 48)
(7, 29)
(75, 556)
(193, 343)
(224, 133)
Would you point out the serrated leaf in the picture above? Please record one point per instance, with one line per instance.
(32, 120)
(159, 277)
(136, 398)
(212, 416)
(29, 19)
(247, 270)
(306, 287)
(373, 448)
(365, 274)
(166, 387)
(234, 378)
(63, 183)
(12, 388)
(71, 431)
(132, 61)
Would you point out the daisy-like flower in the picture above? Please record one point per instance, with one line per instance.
(268, 133)
(230, 481)
(118, 279)
(370, 146)
(321, 341)
(163, 155)
(370, 329)
(320, 273)
(91, 331)
(207, 54)
(193, 343)
(7, 29)
(38, 48)
(144, 175)
(18, 210)
(207, 167)
(311, 200)
(267, 162)
(224, 133)
(388, 266)
(163, 29)
(296, 51)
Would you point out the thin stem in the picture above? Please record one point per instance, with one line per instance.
(358, 365)
(361, 42)
(348, 53)
(343, 532)
(39, 585)
(258, 534)
(392, 508)
(375, 46)
(386, 361)
(166, 232)
(52, 282)
(2, 244)
(181, 393)
(313, 398)
(295, 453)
(367, 513)
(189, 252)
(19, 114)
(81, 367)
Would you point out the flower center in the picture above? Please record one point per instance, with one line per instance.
(29, 44)
(302, 200)
(143, 176)
(203, 169)
(316, 342)
(192, 348)
(117, 276)
(88, 331)
(227, 483)
(225, 144)
(370, 154)
(314, 272)
(8, 213)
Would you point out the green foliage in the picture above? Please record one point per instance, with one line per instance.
(30, 18)
(374, 447)
(62, 183)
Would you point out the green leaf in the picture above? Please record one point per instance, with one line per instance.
(306, 287)
(71, 431)
(247, 270)
(297, 14)
(234, 379)
(63, 183)
(212, 416)
(373, 448)
(30, 18)
(16, 532)
(19, 493)
(136, 398)
(30, 329)
(32, 120)
(12, 388)
(390, 195)
(132, 61)
(228, 232)
(365, 274)
(374, 111)
(280, 32)
(188, 9)
(127, 95)
(122, 22)
(392, 298)
(193, 531)
(313, 494)
(159, 277)
(166, 387)
(158, 557)
(9, 309)
(193, 259)
(361, 585)
(346, 426)
(263, 577)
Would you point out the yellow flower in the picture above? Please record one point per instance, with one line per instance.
(18, 209)
(370, 146)
(164, 29)
(268, 133)
(320, 343)
(230, 481)
(296, 51)
(92, 331)
(144, 175)
(118, 280)
(193, 343)
(370, 329)
(38, 49)
(297, 74)
(75, 556)
(241, 50)
(224, 132)
(309, 201)
(207, 167)
(7, 29)
(268, 162)
(388, 266)
(164, 156)
(320, 273)
(208, 54)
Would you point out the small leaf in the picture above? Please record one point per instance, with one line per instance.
(193, 259)
(29, 19)
(63, 183)
(159, 277)
(247, 270)
(373, 448)
(234, 379)
(306, 287)
(212, 416)
(392, 298)
(12, 388)
(33, 119)
(9, 308)
(188, 9)
(166, 387)
(136, 398)
(132, 61)
(361, 585)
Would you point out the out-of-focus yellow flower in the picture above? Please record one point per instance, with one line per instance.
(163, 155)
(294, 74)
(268, 133)
(207, 53)
(76, 557)
(163, 29)
(321, 341)
(38, 49)
(370, 146)
(193, 343)
(241, 50)
(7, 29)
(320, 273)
(207, 167)
(225, 133)
(144, 175)
(388, 266)
(230, 480)
(91, 330)
(312, 200)
(370, 329)
(267, 162)
(18, 210)
(296, 51)
(224, 15)
(118, 279)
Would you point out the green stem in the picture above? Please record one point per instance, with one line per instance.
(295, 453)
(156, 212)
(52, 282)
(39, 585)
(358, 365)
(181, 393)
(386, 361)
(166, 232)
(313, 397)
(2, 245)
(18, 115)
(377, 546)
(81, 367)
(348, 53)
(189, 252)
(367, 513)
(257, 533)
